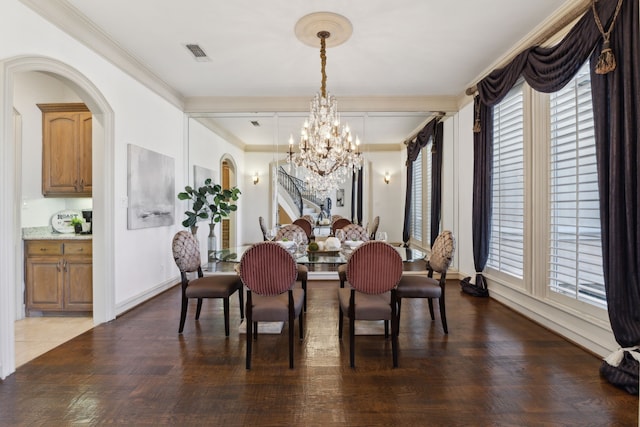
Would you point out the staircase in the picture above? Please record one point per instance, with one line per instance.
(303, 200)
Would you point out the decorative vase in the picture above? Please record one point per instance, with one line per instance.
(194, 230)
(211, 244)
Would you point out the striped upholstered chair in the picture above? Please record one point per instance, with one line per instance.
(426, 286)
(287, 232)
(186, 253)
(373, 270)
(269, 273)
(351, 232)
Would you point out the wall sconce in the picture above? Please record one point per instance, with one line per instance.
(256, 178)
(387, 177)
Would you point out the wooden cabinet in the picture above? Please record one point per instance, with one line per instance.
(59, 275)
(66, 150)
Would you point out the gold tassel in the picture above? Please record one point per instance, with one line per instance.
(606, 61)
(476, 126)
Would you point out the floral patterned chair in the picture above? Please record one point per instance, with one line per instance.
(288, 232)
(186, 254)
(421, 286)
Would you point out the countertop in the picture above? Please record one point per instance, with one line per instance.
(47, 233)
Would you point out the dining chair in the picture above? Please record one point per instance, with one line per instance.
(186, 253)
(334, 218)
(425, 286)
(269, 273)
(373, 228)
(288, 232)
(374, 270)
(338, 224)
(309, 218)
(306, 226)
(263, 228)
(351, 232)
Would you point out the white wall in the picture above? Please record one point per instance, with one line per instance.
(142, 257)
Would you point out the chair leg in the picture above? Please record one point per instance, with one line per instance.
(249, 326)
(301, 326)
(291, 326)
(340, 321)
(352, 341)
(199, 308)
(443, 314)
(241, 301)
(183, 313)
(304, 288)
(255, 330)
(431, 308)
(225, 305)
(386, 329)
(394, 338)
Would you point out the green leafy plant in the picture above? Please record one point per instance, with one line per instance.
(220, 200)
(210, 201)
(76, 221)
(199, 205)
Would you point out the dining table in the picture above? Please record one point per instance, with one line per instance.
(320, 261)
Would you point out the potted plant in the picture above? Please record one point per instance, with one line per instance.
(220, 203)
(199, 206)
(77, 224)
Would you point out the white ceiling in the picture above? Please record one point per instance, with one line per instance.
(405, 59)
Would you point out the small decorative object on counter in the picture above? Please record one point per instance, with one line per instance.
(77, 224)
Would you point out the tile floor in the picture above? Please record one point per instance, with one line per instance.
(35, 336)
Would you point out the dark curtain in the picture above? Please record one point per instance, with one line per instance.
(359, 208)
(616, 107)
(436, 182)
(353, 196)
(615, 96)
(413, 150)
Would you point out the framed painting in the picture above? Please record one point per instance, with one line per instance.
(150, 188)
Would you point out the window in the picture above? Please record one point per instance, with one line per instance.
(416, 200)
(506, 248)
(421, 198)
(575, 251)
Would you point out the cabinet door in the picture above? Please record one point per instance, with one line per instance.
(84, 155)
(44, 283)
(78, 283)
(59, 153)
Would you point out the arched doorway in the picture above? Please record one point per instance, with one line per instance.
(11, 271)
(229, 225)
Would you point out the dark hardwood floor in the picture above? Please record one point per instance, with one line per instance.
(495, 368)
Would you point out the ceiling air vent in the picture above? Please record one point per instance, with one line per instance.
(197, 52)
(255, 123)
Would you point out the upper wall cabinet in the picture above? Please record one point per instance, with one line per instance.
(66, 150)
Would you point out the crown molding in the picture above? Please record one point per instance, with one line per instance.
(282, 148)
(61, 14)
(221, 104)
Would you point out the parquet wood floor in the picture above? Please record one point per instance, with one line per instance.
(495, 368)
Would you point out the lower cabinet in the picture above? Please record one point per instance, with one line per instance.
(59, 275)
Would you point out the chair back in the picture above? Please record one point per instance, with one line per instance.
(268, 269)
(305, 225)
(263, 228)
(339, 223)
(309, 218)
(186, 251)
(374, 227)
(375, 267)
(288, 231)
(355, 232)
(442, 251)
(334, 218)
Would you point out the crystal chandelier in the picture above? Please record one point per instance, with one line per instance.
(327, 151)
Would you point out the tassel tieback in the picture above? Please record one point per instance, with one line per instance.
(607, 60)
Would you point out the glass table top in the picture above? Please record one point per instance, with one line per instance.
(333, 257)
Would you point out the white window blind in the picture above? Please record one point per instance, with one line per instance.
(575, 261)
(416, 200)
(428, 201)
(506, 247)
